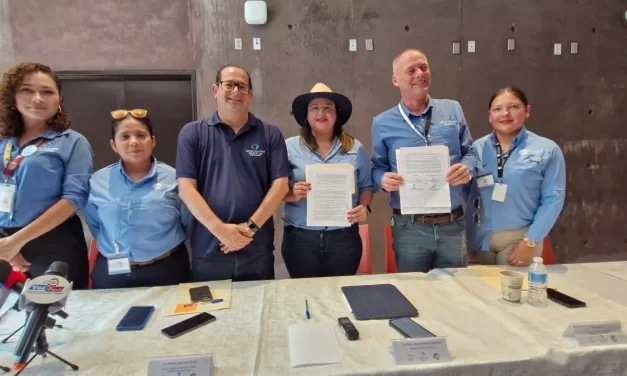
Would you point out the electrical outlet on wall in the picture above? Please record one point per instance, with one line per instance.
(471, 46)
(369, 46)
(557, 49)
(238, 43)
(457, 48)
(352, 44)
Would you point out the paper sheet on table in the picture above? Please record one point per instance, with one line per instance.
(331, 166)
(313, 344)
(330, 197)
(424, 189)
(181, 304)
(491, 275)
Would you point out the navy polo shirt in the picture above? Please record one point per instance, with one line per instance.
(234, 173)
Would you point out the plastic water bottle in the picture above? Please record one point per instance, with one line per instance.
(538, 280)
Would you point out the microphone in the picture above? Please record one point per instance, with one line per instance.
(41, 296)
(13, 280)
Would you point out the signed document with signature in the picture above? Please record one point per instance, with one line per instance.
(424, 189)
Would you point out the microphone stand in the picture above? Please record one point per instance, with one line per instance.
(61, 314)
(41, 347)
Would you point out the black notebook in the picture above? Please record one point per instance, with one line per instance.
(370, 302)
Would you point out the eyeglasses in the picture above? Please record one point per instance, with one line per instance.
(230, 86)
(136, 113)
(327, 108)
(476, 218)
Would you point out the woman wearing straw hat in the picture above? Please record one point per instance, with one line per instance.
(323, 251)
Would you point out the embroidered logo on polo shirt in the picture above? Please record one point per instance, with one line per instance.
(448, 120)
(254, 151)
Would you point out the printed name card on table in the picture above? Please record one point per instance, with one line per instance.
(596, 333)
(420, 351)
(193, 365)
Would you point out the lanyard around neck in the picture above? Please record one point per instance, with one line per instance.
(427, 123)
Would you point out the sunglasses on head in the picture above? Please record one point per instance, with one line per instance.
(121, 114)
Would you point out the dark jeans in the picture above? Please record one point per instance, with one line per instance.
(171, 270)
(65, 243)
(244, 265)
(311, 253)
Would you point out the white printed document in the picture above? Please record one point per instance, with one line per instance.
(330, 197)
(424, 189)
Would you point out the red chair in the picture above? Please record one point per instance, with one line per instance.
(365, 266)
(93, 253)
(547, 252)
(390, 258)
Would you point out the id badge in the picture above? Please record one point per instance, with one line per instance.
(7, 194)
(485, 180)
(119, 263)
(499, 192)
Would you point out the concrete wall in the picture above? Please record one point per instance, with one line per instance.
(577, 100)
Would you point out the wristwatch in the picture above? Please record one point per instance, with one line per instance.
(368, 209)
(252, 226)
(530, 243)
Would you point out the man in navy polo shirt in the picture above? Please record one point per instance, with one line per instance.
(233, 171)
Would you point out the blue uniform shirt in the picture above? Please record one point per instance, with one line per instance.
(234, 172)
(535, 175)
(145, 218)
(390, 132)
(295, 213)
(59, 170)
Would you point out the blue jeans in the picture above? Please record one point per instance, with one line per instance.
(420, 247)
(312, 253)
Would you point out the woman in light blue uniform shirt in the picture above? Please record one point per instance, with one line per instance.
(45, 180)
(518, 187)
(310, 251)
(135, 213)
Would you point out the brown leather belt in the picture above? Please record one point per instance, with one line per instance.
(163, 256)
(435, 219)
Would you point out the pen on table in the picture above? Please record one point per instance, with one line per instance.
(307, 310)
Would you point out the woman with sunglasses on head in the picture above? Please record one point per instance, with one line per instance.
(135, 214)
(518, 187)
(310, 251)
(45, 178)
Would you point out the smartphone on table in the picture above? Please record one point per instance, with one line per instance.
(135, 318)
(409, 328)
(188, 325)
(200, 294)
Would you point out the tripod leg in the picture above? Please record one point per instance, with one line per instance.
(12, 334)
(26, 365)
(74, 366)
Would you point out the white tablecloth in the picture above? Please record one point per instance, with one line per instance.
(485, 334)
(615, 269)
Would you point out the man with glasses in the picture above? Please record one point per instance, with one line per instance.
(422, 242)
(233, 171)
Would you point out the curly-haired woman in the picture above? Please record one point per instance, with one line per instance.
(46, 169)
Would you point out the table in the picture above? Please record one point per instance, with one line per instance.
(485, 334)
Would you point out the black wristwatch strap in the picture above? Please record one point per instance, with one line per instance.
(252, 226)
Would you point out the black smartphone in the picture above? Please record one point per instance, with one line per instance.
(135, 318)
(200, 294)
(564, 299)
(188, 325)
(409, 328)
